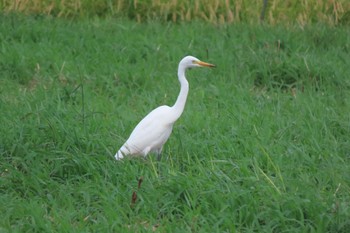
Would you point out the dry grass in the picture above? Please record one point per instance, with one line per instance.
(333, 12)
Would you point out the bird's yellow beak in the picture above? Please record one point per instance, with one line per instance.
(201, 63)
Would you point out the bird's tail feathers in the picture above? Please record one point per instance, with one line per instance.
(121, 153)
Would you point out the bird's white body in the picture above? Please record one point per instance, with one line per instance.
(154, 130)
(149, 135)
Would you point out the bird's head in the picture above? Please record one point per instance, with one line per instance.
(190, 62)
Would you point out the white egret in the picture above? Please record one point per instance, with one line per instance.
(154, 130)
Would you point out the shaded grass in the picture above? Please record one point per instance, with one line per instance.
(262, 145)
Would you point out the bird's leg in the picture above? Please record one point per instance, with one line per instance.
(146, 151)
(159, 153)
(159, 156)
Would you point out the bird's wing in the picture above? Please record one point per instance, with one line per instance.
(152, 130)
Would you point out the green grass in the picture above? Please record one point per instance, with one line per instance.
(263, 144)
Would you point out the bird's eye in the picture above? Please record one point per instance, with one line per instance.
(193, 61)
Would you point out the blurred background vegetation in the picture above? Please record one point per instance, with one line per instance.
(332, 12)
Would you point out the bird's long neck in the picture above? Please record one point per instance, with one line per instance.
(180, 103)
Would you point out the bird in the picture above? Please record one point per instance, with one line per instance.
(152, 132)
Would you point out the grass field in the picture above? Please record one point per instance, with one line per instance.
(263, 144)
